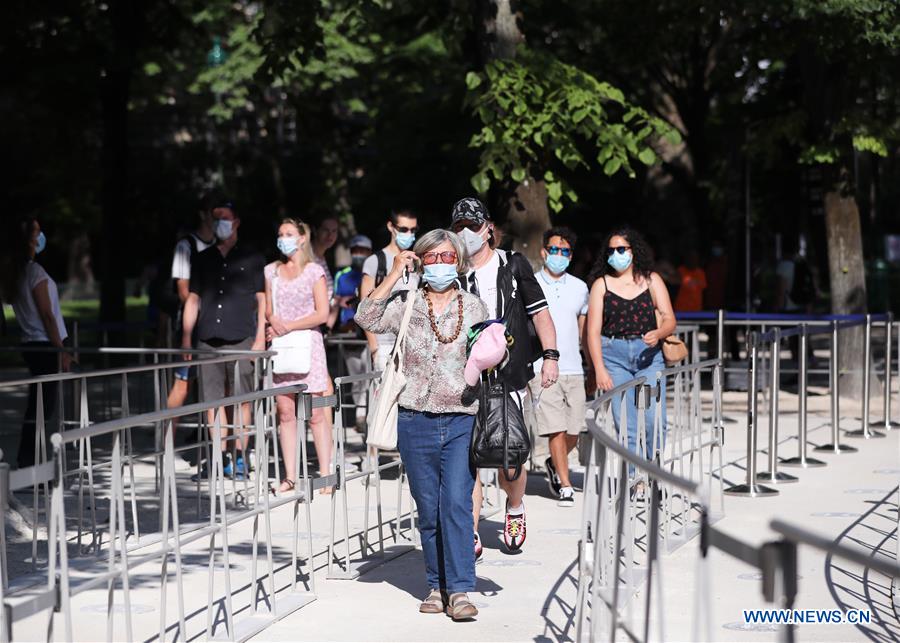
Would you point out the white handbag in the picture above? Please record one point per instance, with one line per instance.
(293, 351)
(383, 423)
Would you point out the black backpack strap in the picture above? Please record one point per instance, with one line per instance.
(381, 271)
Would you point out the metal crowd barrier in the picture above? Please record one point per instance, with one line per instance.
(622, 546)
(370, 472)
(123, 559)
(86, 468)
(765, 321)
(770, 342)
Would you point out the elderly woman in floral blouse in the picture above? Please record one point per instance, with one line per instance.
(434, 425)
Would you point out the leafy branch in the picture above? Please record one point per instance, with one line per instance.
(536, 112)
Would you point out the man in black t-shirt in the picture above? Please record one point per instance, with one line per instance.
(227, 304)
(506, 283)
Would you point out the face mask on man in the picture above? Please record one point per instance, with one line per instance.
(473, 240)
(224, 228)
(557, 264)
(440, 276)
(357, 261)
(287, 245)
(405, 240)
(619, 260)
(41, 243)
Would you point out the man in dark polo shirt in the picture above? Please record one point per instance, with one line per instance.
(227, 305)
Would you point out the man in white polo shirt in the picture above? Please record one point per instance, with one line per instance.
(560, 408)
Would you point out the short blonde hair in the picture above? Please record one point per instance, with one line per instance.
(431, 240)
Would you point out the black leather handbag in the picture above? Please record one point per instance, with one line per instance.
(500, 438)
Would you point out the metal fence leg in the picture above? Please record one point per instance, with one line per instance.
(773, 475)
(887, 422)
(864, 432)
(750, 487)
(835, 447)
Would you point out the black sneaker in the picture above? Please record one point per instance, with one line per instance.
(203, 475)
(552, 477)
(566, 497)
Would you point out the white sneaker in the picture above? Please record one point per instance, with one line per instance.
(566, 497)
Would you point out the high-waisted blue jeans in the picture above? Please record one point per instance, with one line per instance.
(626, 359)
(435, 451)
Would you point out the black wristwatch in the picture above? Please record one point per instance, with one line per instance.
(551, 353)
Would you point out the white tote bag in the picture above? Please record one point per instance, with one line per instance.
(383, 421)
(293, 351)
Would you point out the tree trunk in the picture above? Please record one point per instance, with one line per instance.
(528, 218)
(527, 211)
(848, 283)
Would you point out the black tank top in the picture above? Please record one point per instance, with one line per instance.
(627, 317)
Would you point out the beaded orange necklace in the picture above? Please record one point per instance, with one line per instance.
(459, 320)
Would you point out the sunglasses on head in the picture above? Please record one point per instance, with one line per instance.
(402, 229)
(556, 250)
(474, 226)
(430, 258)
(620, 249)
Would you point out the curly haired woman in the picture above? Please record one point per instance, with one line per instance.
(622, 332)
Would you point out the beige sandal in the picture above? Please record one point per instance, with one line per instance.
(434, 604)
(460, 608)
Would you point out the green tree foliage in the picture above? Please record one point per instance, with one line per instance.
(536, 113)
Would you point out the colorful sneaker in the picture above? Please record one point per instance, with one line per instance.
(227, 468)
(566, 497)
(514, 530)
(552, 477)
(479, 550)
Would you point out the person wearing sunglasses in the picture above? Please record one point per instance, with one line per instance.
(434, 422)
(506, 283)
(623, 334)
(402, 225)
(559, 410)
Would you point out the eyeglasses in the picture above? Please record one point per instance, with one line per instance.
(402, 229)
(620, 249)
(556, 250)
(474, 226)
(430, 258)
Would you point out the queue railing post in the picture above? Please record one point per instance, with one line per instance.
(720, 334)
(835, 373)
(865, 432)
(802, 414)
(887, 423)
(750, 487)
(773, 476)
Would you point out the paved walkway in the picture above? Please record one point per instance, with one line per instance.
(530, 596)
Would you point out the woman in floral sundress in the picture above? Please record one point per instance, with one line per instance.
(300, 303)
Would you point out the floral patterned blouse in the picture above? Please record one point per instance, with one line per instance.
(434, 371)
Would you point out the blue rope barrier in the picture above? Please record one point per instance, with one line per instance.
(773, 317)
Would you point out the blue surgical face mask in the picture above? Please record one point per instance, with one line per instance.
(41, 243)
(557, 264)
(440, 276)
(287, 245)
(619, 261)
(224, 228)
(405, 240)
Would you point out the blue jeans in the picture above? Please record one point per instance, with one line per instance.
(626, 359)
(435, 451)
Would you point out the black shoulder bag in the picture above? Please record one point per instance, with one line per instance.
(500, 438)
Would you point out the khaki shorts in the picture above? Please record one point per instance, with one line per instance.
(560, 408)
